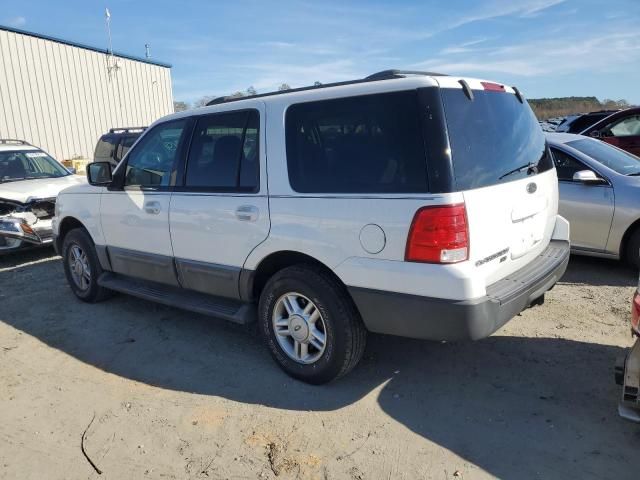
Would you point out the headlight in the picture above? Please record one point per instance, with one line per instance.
(9, 226)
(18, 228)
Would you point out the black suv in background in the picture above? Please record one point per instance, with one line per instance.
(114, 144)
(578, 123)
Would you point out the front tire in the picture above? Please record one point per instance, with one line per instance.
(310, 324)
(82, 267)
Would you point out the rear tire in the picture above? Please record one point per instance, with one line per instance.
(633, 249)
(310, 324)
(82, 267)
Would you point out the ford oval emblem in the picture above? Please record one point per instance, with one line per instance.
(532, 187)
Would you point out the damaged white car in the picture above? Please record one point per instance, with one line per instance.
(30, 180)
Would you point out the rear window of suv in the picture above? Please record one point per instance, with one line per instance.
(363, 144)
(493, 138)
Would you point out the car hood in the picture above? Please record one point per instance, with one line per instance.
(24, 191)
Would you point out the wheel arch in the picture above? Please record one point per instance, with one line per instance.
(625, 238)
(66, 225)
(252, 282)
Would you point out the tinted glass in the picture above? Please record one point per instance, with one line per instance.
(153, 160)
(585, 121)
(224, 152)
(250, 165)
(566, 165)
(365, 144)
(493, 138)
(614, 158)
(105, 149)
(21, 165)
(125, 145)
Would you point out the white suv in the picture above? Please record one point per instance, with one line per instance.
(411, 204)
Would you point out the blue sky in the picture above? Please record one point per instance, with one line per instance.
(548, 48)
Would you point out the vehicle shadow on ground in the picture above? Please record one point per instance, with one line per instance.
(515, 407)
(599, 272)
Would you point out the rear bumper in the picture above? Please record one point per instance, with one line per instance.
(628, 375)
(440, 319)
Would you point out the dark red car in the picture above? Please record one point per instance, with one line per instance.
(621, 129)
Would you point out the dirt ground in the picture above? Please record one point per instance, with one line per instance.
(179, 395)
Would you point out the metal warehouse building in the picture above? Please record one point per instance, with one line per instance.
(62, 96)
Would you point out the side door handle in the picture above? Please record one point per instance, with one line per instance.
(247, 213)
(152, 207)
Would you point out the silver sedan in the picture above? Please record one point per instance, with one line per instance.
(599, 195)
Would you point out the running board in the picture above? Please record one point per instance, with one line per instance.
(225, 308)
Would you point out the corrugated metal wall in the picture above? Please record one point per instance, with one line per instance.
(62, 97)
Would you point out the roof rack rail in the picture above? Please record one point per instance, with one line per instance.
(224, 99)
(126, 129)
(7, 141)
(383, 75)
(388, 74)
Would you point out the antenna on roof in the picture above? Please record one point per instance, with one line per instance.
(113, 64)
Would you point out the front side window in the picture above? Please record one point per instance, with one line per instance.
(152, 163)
(566, 165)
(364, 144)
(27, 165)
(224, 153)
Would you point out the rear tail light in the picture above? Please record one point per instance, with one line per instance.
(635, 313)
(439, 235)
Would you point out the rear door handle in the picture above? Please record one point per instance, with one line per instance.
(152, 207)
(247, 213)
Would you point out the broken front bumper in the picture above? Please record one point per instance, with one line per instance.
(16, 233)
(628, 375)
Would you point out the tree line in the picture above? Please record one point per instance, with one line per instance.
(546, 108)
(180, 106)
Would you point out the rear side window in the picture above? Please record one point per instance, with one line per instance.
(494, 138)
(125, 145)
(224, 153)
(364, 144)
(105, 149)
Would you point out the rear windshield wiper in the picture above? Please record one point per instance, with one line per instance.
(529, 167)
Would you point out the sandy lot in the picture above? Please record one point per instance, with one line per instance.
(178, 395)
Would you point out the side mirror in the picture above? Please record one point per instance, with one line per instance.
(99, 173)
(595, 134)
(587, 177)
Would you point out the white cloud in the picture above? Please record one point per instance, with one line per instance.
(17, 22)
(464, 47)
(600, 53)
(502, 8)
